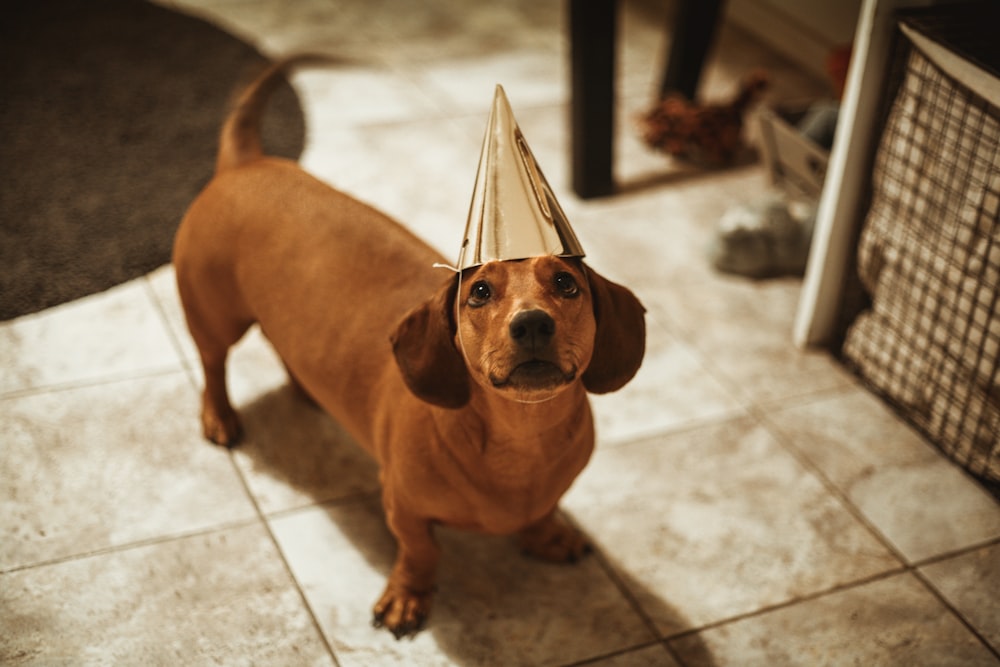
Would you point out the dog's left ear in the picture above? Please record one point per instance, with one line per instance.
(423, 343)
(620, 342)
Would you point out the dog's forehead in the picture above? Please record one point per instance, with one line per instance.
(541, 267)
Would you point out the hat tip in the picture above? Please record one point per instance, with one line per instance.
(514, 213)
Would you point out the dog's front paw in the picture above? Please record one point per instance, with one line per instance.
(553, 539)
(222, 428)
(401, 612)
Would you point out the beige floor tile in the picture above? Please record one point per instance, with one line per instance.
(111, 334)
(529, 78)
(293, 454)
(657, 237)
(349, 94)
(392, 31)
(492, 606)
(922, 503)
(254, 369)
(928, 510)
(163, 282)
(743, 331)
(970, 582)
(734, 313)
(774, 375)
(282, 28)
(651, 656)
(718, 521)
(895, 621)
(454, 30)
(670, 391)
(420, 173)
(218, 598)
(875, 439)
(643, 40)
(106, 465)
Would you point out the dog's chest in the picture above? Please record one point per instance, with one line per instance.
(514, 484)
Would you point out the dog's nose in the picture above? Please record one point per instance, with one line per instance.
(532, 329)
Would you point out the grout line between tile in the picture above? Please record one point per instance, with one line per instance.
(135, 544)
(161, 310)
(626, 592)
(943, 599)
(188, 368)
(612, 573)
(615, 654)
(805, 398)
(350, 499)
(685, 426)
(816, 595)
(828, 484)
(937, 558)
(902, 569)
(911, 567)
(756, 413)
(759, 415)
(124, 376)
(955, 612)
(284, 560)
(774, 403)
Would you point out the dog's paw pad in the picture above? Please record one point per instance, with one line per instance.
(222, 430)
(402, 613)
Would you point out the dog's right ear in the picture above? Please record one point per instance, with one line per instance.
(423, 342)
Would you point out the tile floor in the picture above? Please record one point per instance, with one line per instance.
(751, 503)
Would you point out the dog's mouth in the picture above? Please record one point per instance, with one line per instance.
(534, 375)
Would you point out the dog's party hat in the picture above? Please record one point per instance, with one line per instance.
(514, 214)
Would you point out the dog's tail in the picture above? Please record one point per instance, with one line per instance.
(240, 139)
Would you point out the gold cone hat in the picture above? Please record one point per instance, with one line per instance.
(514, 214)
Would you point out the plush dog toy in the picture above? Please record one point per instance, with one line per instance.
(707, 134)
(469, 389)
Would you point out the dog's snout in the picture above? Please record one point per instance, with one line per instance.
(532, 328)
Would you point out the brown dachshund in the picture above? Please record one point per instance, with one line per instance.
(477, 413)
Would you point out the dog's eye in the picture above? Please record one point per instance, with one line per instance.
(566, 284)
(480, 293)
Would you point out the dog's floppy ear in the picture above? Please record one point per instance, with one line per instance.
(620, 341)
(423, 343)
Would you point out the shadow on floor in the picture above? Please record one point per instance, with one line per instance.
(676, 172)
(492, 603)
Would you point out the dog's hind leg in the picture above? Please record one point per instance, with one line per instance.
(215, 328)
(219, 420)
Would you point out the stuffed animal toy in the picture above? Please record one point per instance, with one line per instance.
(706, 134)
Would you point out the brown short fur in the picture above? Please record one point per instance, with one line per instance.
(477, 414)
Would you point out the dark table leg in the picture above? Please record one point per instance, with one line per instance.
(593, 25)
(592, 55)
(693, 30)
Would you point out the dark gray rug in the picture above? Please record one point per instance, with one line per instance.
(109, 116)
